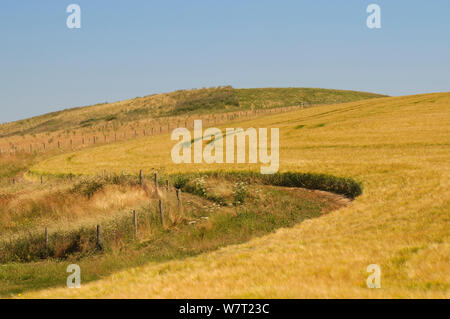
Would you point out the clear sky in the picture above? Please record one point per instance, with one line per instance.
(134, 48)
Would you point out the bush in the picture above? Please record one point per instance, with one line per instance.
(88, 187)
(180, 181)
(240, 193)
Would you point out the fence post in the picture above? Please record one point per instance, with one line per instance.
(135, 224)
(167, 184)
(179, 197)
(161, 214)
(42, 179)
(99, 242)
(46, 239)
(140, 177)
(156, 181)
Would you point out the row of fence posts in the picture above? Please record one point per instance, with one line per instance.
(14, 150)
(134, 215)
(13, 180)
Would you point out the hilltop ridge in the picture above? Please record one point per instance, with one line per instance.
(181, 102)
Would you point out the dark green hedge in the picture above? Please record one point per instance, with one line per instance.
(338, 185)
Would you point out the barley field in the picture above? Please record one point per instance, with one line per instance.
(398, 148)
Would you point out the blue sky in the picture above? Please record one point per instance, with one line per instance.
(135, 48)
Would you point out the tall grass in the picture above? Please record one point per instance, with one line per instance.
(11, 166)
(119, 231)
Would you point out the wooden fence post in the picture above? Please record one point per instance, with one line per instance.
(167, 184)
(140, 177)
(99, 242)
(46, 239)
(179, 197)
(135, 224)
(161, 214)
(156, 181)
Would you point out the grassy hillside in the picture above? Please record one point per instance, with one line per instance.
(398, 148)
(177, 103)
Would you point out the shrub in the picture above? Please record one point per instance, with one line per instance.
(240, 193)
(88, 187)
(180, 181)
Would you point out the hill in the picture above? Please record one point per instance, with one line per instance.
(397, 148)
(183, 102)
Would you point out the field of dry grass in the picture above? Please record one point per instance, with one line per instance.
(398, 148)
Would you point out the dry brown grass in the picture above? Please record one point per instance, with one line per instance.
(53, 205)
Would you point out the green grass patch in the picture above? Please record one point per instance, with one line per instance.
(318, 125)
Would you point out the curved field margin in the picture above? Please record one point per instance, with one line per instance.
(216, 210)
(398, 148)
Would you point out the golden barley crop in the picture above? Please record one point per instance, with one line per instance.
(398, 148)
